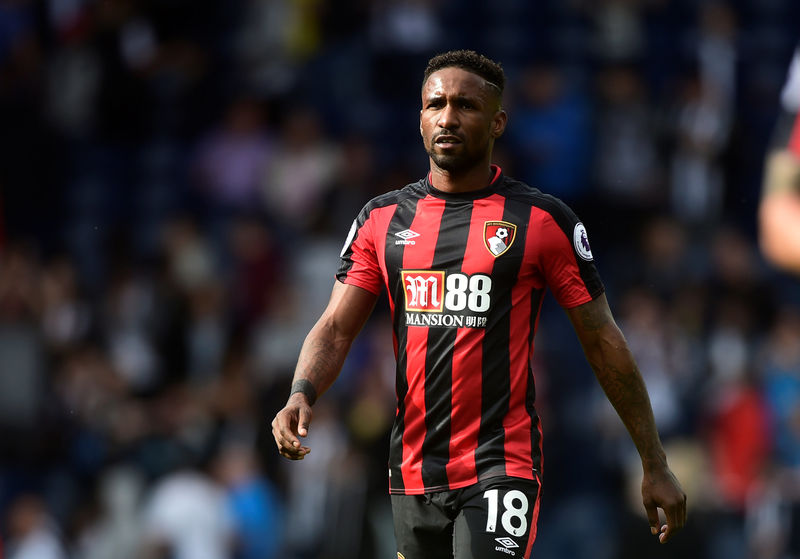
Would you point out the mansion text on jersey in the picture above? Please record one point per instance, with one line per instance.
(445, 320)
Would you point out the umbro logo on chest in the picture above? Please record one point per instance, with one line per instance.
(406, 237)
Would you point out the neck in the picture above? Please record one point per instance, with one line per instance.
(467, 181)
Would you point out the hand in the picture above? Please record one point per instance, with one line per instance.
(661, 490)
(289, 424)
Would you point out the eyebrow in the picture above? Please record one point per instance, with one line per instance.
(456, 98)
(461, 97)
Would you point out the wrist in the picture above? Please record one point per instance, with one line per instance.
(304, 388)
(655, 462)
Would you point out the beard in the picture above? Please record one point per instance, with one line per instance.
(456, 163)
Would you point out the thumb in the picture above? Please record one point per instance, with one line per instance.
(652, 518)
(304, 420)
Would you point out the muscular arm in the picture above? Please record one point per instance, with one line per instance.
(779, 211)
(616, 371)
(321, 358)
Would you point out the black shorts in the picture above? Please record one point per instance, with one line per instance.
(494, 518)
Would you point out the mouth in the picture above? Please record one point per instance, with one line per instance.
(446, 140)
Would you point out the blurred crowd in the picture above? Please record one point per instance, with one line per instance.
(176, 180)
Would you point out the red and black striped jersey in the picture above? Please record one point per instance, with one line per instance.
(466, 274)
(794, 137)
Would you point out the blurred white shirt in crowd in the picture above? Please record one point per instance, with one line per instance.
(188, 513)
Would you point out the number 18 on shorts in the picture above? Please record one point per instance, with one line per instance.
(492, 519)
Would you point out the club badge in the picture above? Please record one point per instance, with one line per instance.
(498, 236)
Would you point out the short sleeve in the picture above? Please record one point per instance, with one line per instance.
(359, 263)
(566, 258)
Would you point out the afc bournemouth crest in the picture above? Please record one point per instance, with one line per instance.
(498, 236)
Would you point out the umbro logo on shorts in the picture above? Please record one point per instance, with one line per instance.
(506, 542)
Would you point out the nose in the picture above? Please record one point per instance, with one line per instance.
(448, 117)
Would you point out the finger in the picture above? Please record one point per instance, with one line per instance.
(284, 433)
(652, 517)
(286, 427)
(298, 453)
(680, 519)
(666, 533)
(674, 516)
(276, 432)
(293, 453)
(304, 421)
(282, 446)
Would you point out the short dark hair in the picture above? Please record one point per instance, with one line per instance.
(470, 61)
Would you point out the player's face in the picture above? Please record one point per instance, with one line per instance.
(459, 120)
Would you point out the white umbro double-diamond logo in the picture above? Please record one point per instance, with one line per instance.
(405, 237)
(407, 234)
(508, 543)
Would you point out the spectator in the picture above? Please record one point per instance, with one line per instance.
(229, 161)
(304, 168)
(116, 530)
(626, 161)
(118, 118)
(32, 531)
(255, 504)
(550, 132)
(186, 516)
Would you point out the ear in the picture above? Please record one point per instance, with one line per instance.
(420, 122)
(498, 123)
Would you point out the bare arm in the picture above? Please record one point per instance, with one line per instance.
(779, 211)
(616, 371)
(321, 358)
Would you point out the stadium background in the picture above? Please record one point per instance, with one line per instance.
(178, 176)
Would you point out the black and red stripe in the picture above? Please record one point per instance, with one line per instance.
(466, 394)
